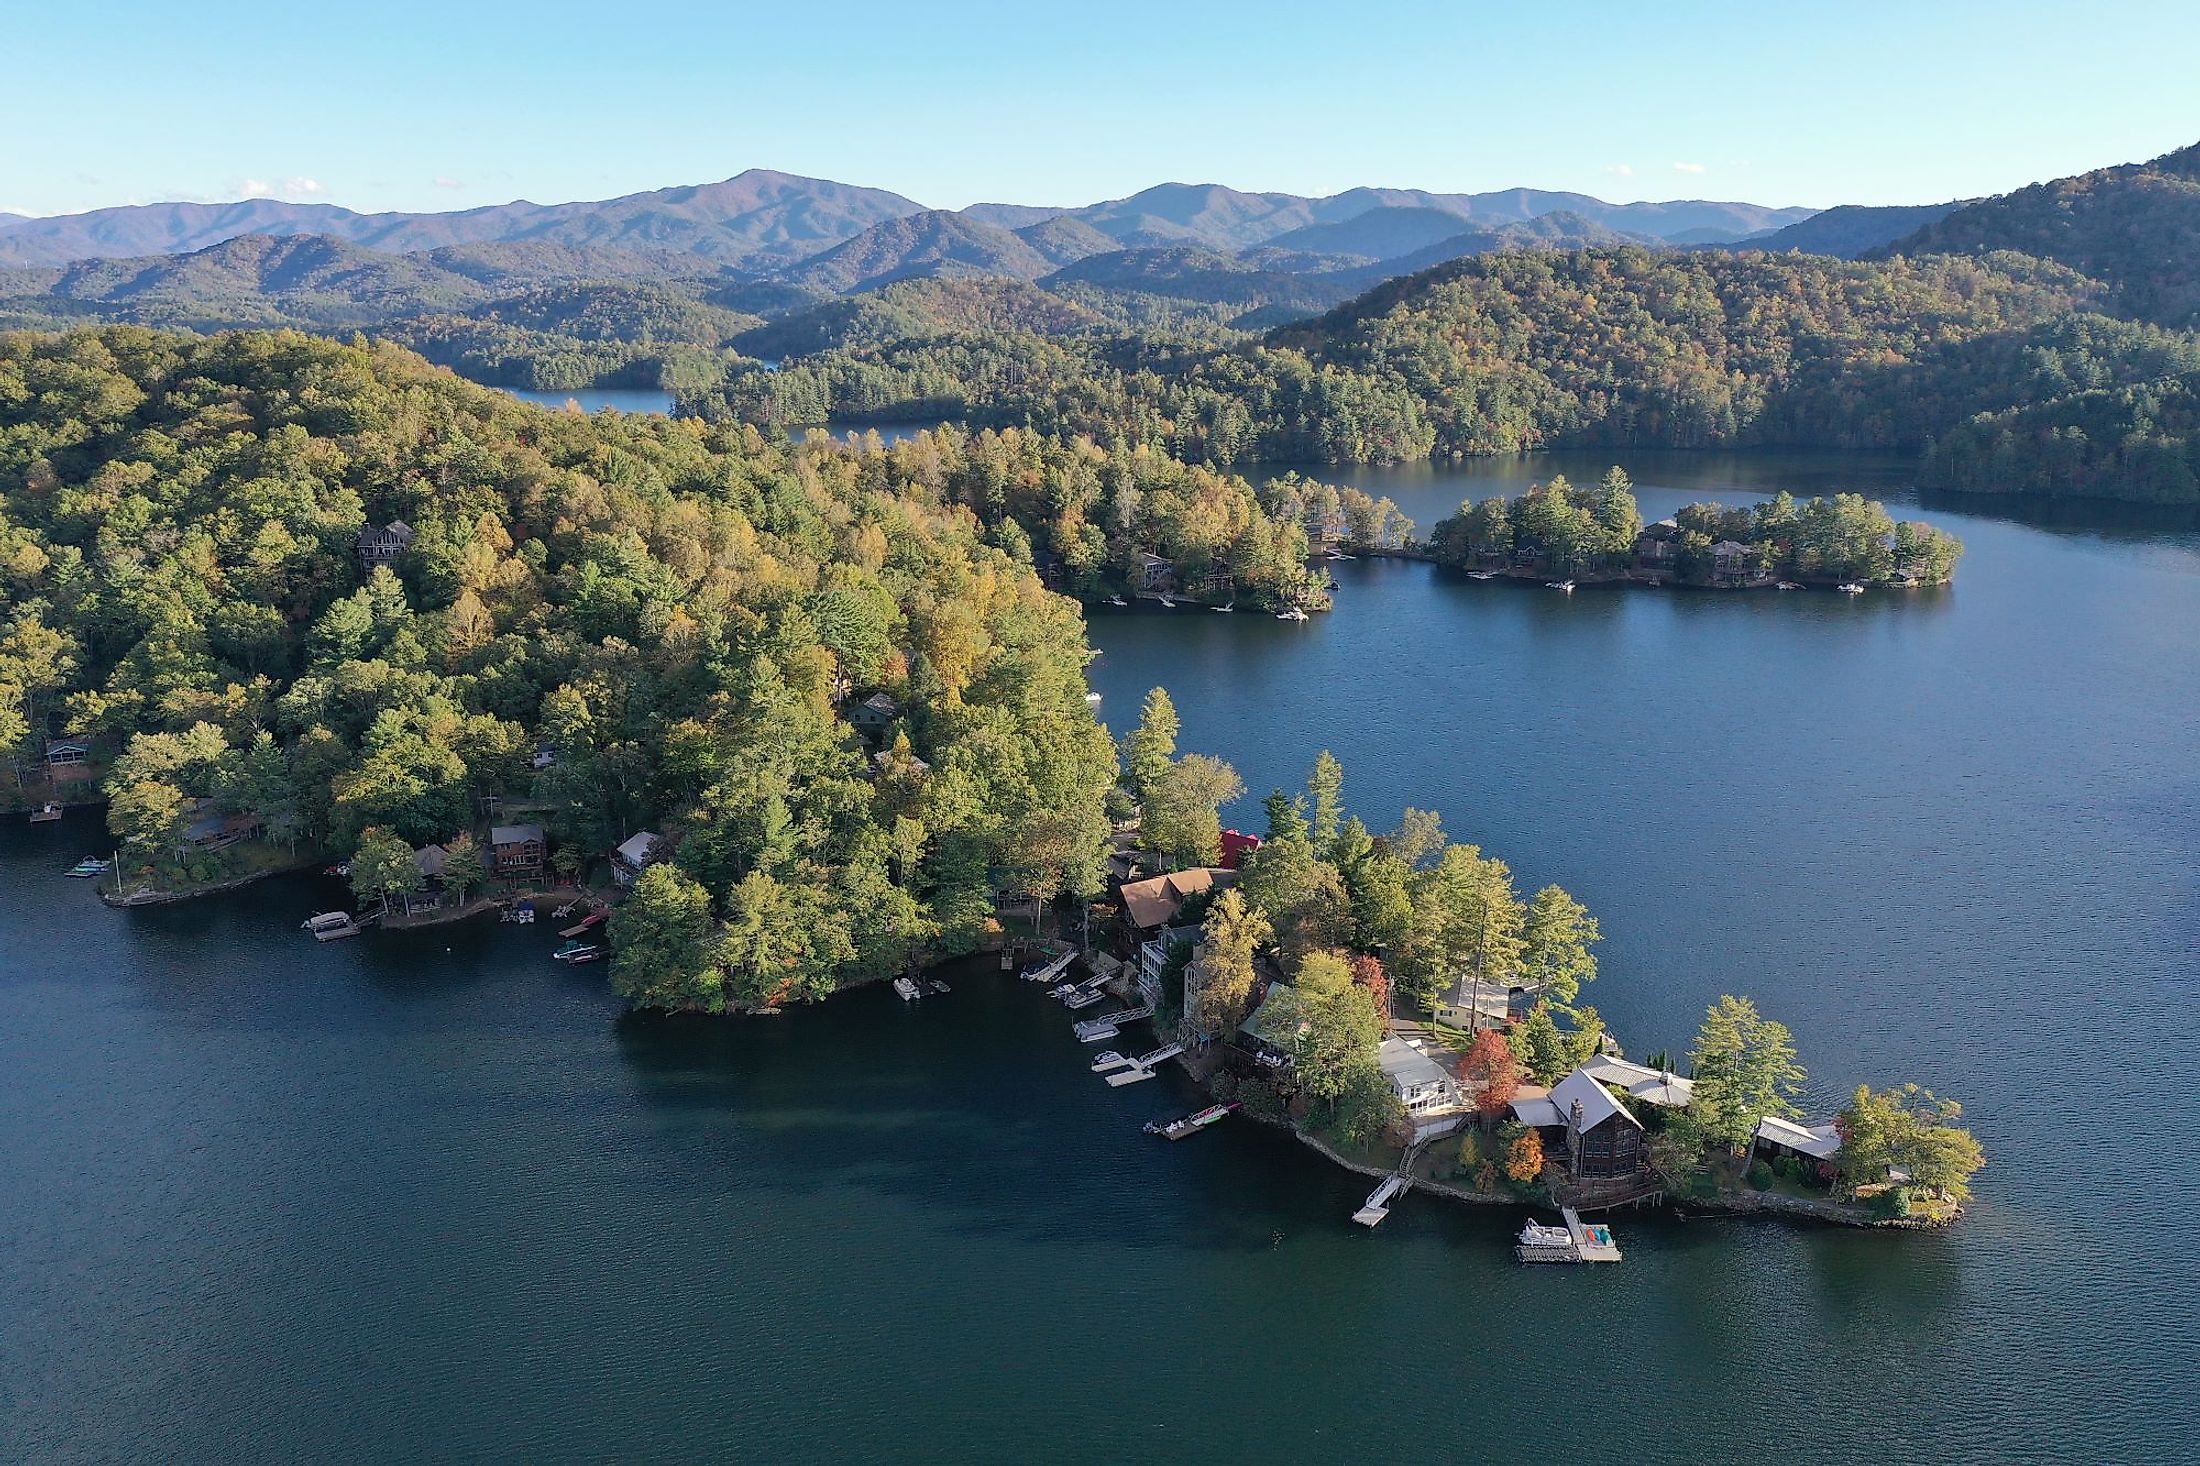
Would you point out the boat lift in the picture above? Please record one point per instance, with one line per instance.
(1107, 1025)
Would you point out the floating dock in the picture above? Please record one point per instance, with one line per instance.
(1142, 1067)
(1048, 971)
(1377, 1205)
(1190, 1124)
(1576, 1241)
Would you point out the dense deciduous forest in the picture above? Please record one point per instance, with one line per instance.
(678, 614)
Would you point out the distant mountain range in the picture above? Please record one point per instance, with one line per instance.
(775, 216)
(765, 219)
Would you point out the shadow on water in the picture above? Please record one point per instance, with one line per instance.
(979, 1106)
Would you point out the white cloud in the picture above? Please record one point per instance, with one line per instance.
(1688, 168)
(1620, 170)
(445, 181)
(289, 188)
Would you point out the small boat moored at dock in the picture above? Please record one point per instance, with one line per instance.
(1295, 613)
(1564, 585)
(1190, 1124)
(46, 813)
(908, 991)
(90, 865)
(1850, 588)
(333, 926)
(1576, 1241)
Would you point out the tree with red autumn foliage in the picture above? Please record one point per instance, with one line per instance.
(1367, 971)
(1490, 1063)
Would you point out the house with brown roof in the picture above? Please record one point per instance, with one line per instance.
(1153, 903)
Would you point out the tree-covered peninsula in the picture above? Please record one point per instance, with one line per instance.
(598, 623)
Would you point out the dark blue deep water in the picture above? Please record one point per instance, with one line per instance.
(431, 1196)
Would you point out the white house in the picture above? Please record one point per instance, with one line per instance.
(1432, 1098)
(1154, 954)
(634, 855)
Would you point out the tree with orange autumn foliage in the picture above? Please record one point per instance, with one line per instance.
(1524, 1162)
(1491, 1065)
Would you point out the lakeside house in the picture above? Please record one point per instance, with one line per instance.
(633, 855)
(211, 829)
(1776, 1137)
(1585, 1116)
(430, 860)
(1639, 1082)
(383, 544)
(1236, 846)
(1271, 1030)
(1471, 1005)
(1154, 572)
(1157, 951)
(874, 715)
(1581, 1120)
(1734, 563)
(1658, 547)
(66, 753)
(1151, 904)
(517, 852)
(1434, 1103)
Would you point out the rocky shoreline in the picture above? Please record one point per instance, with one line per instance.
(158, 896)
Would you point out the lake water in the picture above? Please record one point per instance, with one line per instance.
(593, 399)
(432, 1195)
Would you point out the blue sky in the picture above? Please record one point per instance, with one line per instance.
(409, 105)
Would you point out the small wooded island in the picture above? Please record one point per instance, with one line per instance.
(1592, 534)
(285, 601)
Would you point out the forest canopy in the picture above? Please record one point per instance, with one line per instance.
(678, 615)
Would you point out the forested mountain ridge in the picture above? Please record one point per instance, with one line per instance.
(1851, 231)
(1517, 350)
(933, 242)
(2134, 227)
(769, 219)
(758, 213)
